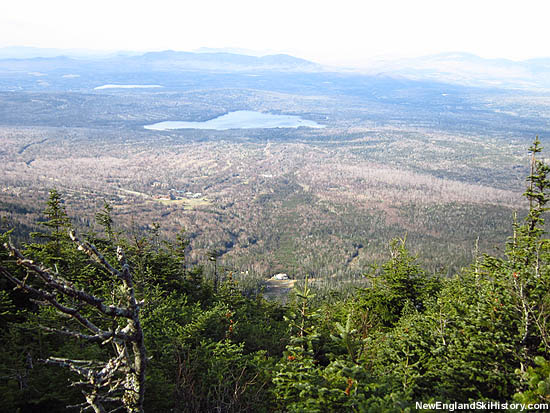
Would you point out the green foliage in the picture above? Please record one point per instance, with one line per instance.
(537, 187)
(347, 337)
(220, 376)
(57, 223)
(105, 220)
(297, 379)
(401, 284)
(407, 336)
(537, 380)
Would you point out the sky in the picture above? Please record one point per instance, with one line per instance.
(337, 32)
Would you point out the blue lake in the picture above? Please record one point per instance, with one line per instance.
(241, 119)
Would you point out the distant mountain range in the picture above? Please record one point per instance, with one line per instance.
(33, 59)
(25, 52)
(454, 68)
(169, 60)
(469, 70)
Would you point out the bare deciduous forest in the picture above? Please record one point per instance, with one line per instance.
(394, 158)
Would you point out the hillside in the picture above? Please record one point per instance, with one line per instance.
(441, 163)
(131, 325)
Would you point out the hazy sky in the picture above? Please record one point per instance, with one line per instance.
(337, 31)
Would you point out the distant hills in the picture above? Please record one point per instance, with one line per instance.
(452, 68)
(33, 59)
(26, 52)
(220, 61)
(469, 70)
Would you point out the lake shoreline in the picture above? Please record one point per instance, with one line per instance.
(241, 119)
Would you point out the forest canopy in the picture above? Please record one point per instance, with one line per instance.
(114, 320)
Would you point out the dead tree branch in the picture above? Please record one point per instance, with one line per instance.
(121, 378)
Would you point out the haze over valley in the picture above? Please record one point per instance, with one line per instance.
(333, 165)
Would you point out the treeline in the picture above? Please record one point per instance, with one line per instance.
(409, 336)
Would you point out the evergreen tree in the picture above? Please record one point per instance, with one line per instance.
(105, 220)
(57, 225)
(402, 282)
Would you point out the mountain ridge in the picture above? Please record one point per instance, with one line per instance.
(165, 60)
(457, 68)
